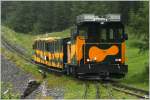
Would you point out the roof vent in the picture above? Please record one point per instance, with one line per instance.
(89, 18)
(113, 17)
(93, 18)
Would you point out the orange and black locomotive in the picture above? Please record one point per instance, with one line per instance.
(96, 48)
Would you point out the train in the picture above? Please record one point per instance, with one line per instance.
(96, 48)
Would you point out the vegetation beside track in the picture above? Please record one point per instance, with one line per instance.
(9, 93)
(26, 40)
(75, 88)
(138, 67)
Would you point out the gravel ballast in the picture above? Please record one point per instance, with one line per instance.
(10, 73)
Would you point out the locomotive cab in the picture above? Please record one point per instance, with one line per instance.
(97, 47)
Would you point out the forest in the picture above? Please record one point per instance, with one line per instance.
(40, 17)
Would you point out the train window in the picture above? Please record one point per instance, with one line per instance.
(73, 31)
(115, 34)
(61, 44)
(58, 45)
(53, 46)
(47, 46)
(83, 31)
(44, 45)
(103, 35)
(111, 34)
(33, 46)
(120, 31)
(41, 45)
(50, 46)
(38, 45)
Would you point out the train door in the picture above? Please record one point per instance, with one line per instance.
(68, 52)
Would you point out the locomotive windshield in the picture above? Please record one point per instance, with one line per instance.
(96, 32)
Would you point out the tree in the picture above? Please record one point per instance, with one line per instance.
(139, 22)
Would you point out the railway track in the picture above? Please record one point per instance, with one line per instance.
(86, 90)
(115, 85)
(16, 50)
(128, 89)
(109, 90)
(140, 93)
(97, 90)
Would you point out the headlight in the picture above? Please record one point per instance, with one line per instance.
(117, 59)
(87, 60)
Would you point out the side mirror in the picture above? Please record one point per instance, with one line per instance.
(125, 36)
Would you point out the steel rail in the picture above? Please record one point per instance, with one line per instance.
(97, 90)
(86, 90)
(131, 93)
(140, 93)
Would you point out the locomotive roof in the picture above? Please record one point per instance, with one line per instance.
(48, 39)
(93, 18)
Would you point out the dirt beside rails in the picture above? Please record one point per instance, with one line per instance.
(12, 74)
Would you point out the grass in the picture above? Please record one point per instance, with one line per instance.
(75, 88)
(136, 65)
(8, 93)
(23, 65)
(26, 40)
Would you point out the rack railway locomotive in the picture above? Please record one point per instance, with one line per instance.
(96, 48)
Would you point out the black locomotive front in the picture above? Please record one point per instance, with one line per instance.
(101, 47)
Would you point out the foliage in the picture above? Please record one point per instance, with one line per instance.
(48, 16)
(140, 25)
(8, 94)
(137, 64)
